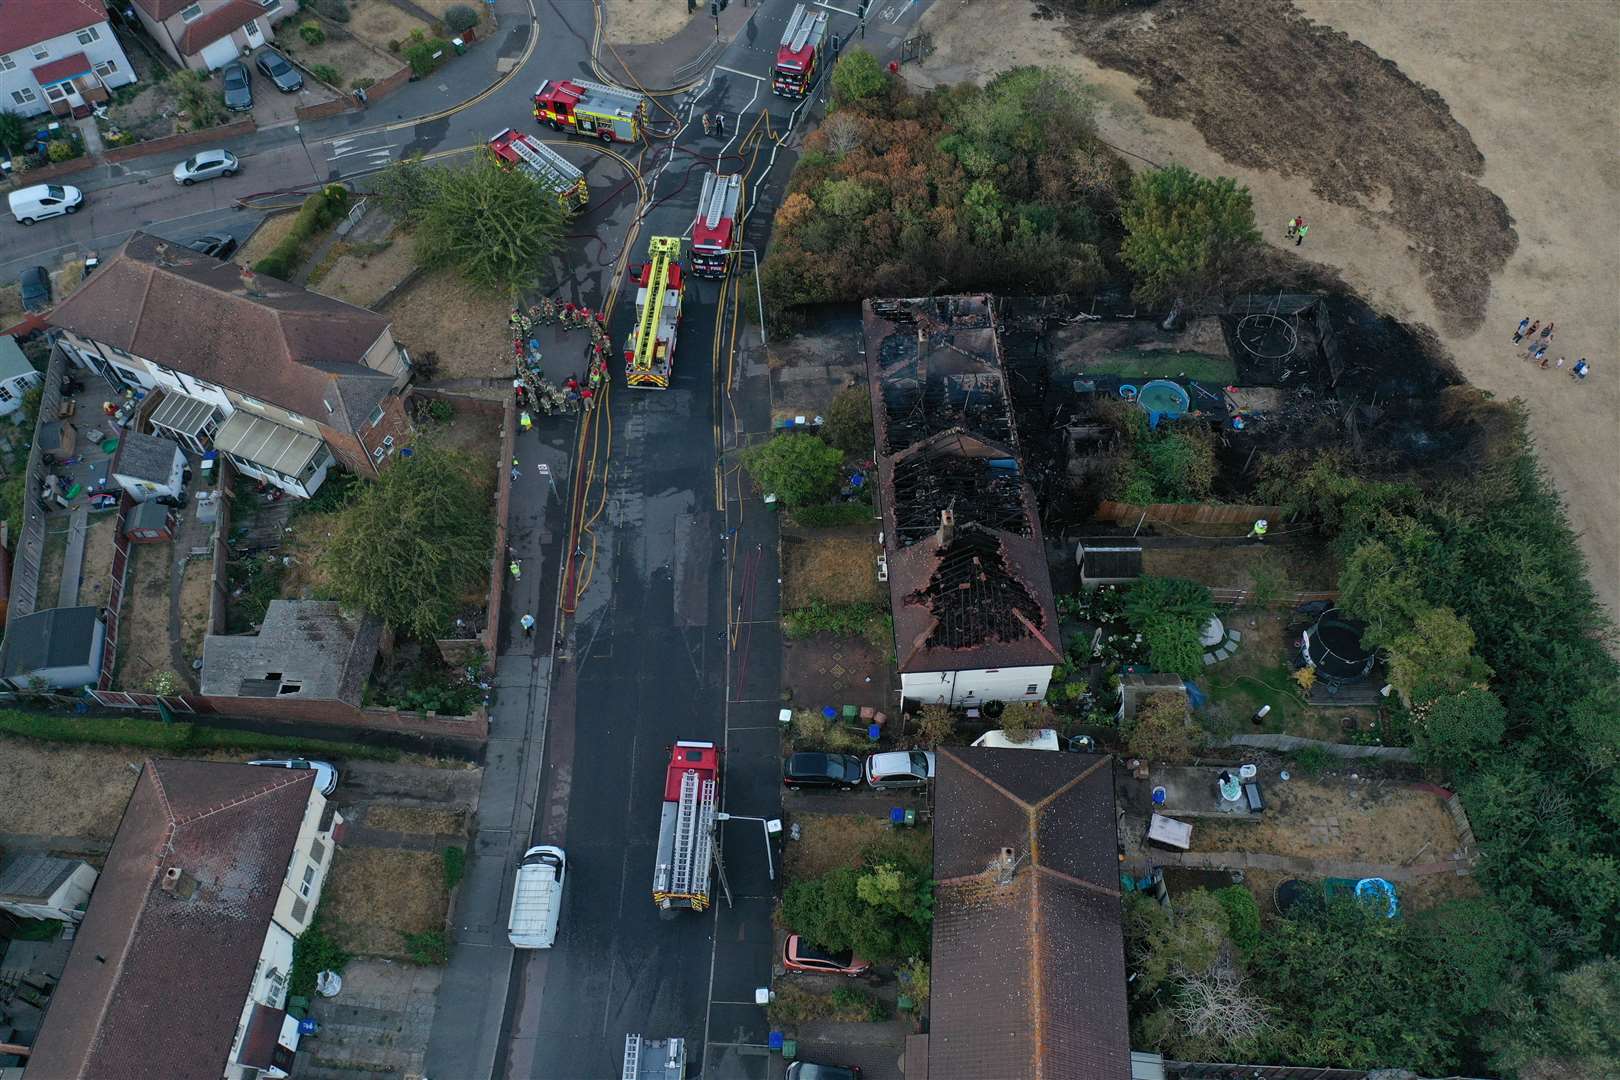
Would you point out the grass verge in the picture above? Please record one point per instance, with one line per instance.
(177, 737)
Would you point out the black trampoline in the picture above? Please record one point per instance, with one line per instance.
(1333, 647)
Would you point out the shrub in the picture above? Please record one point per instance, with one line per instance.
(430, 948)
(935, 724)
(455, 867)
(828, 515)
(1021, 719)
(849, 422)
(327, 74)
(314, 951)
(820, 617)
(798, 469)
(365, 83)
(1312, 761)
(202, 105)
(460, 17)
(14, 130)
(312, 33)
(1162, 730)
(320, 210)
(61, 150)
(393, 45)
(856, 77)
(1184, 233)
(1242, 916)
(813, 731)
(425, 56)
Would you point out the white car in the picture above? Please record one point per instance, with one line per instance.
(205, 165)
(31, 204)
(326, 775)
(900, 769)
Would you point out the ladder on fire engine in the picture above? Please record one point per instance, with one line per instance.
(799, 26)
(719, 188)
(694, 829)
(545, 161)
(660, 249)
(631, 101)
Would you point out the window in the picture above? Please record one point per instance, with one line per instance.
(41, 52)
(6, 62)
(1031, 689)
(378, 454)
(376, 417)
(191, 14)
(309, 877)
(275, 984)
(5, 393)
(56, 92)
(106, 68)
(300, 910)
(24, 96)
(89, 36)
(270, 6)
(317, 852)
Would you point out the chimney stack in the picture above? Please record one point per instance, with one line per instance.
(178, 883)
(1005, 865)
(947, 527)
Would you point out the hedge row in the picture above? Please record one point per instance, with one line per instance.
(320, 211)
(178, 737)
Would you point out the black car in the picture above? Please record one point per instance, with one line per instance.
(219, 245)
(278, 71)
(811, 770)
(238, 86)
(35, 284)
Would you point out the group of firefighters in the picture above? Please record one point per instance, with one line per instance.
(529, 384)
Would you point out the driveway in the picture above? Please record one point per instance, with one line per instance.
(272, 108)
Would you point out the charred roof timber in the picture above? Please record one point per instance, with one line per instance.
(967, 569)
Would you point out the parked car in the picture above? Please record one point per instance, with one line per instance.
(900, 769)
(279, 71)
(813, 770)
(799, 955)
(809, 1070)
(31, 204)
(238, 86)
(35, 285)
(326, 774)
(205, 165)
(219, 245)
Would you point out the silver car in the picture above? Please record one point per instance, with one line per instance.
(205, 165)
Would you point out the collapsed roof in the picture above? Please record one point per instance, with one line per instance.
(968, 578)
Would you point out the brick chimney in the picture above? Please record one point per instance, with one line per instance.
(947, 527)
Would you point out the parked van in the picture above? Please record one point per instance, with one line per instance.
(1039, 739)
(537, 898)
(31, 204)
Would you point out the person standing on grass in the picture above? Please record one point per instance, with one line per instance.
(1544, 360)
(1524, 324)
(1547, 332)
(1532, 331)
(1580, 369)
(1299, 235)
(1539, 351)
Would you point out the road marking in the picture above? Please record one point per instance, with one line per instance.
(343, 152)
(744, 74)
(841, 11)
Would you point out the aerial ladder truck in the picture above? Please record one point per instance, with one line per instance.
(686, 827)
(549, 168)
(714, 230)
(649, 356)
(798, 57)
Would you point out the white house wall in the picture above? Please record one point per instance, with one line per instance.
(974, 687)
(21, 77)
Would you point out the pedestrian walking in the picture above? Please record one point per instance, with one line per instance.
(528, 625)
(1580, 369)
(517, 571)
(1299, 234)
(1524, 324)
(514, 469)
(526, 421)
(1293, 226)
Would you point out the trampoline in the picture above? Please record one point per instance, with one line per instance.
(1333, 647)
(1162, 399)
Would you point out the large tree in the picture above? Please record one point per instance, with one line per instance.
(493, 225)
(799, 469)
(412, 544)
(1184, 232)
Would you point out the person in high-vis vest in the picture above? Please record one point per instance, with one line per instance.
(1258, 530)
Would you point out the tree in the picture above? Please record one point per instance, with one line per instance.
(1437, 652)
(1162, 729)
(856, 77)
(849, 422)
(1242, 915)
(1216, 1006)
(881, 909)
(935, 724)
(1574, 1034)
(1184, 232)
(199, 102)
(412, 543)
(14, 131)
(493, 226)
(798, 469)
(1457, 730)
(1186, 940)
(1021, 719)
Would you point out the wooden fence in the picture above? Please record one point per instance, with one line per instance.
(1122, 513)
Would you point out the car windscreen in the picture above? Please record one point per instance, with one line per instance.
(919, 763)
(235, 79)
(808, 951)
(276, 64)
(55, 191)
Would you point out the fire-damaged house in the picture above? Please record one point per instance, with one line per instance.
(974, 619)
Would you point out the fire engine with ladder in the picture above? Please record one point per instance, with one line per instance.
(714, 231)
(589, 108)
(543, 163)
(649, 357)
(799, 56)
(686, 828)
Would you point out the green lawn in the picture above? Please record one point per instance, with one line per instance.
(1163, 364)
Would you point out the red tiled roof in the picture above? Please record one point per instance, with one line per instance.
(215, 320)
(216, 23)
(156, 981)
(261, 1038)
(25, 22)
(1028, 976)
(65, 68)
(162, 9)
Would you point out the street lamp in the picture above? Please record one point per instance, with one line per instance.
(772, 826)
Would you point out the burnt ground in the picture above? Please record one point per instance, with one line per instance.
(1256, 78)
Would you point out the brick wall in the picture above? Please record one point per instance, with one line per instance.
(175, 142)
(341, 104)
(472, 729)
(383, 87)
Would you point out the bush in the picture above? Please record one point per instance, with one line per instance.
(813, 731)
(430, 948)
(320, 210)
(327, 74)
(849, 422)
(1162, 729)
(61, 150)
(179, 737)
(314, 951)
(798, 469)
(365, 83)
(427, 55)
(1021, 719)
(460, 17)
(311, 32)
(883, 909)
(829, 515)
(935, 724)
(1312, 761)
(856, 77)
(202, 105)
(455, 867)
(393, 45)
(1242, 916)
(1184, 233)
(14, 130)
(820, 617)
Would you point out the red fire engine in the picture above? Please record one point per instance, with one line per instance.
(543, 163)
(686, 827)
(714, 229)
(799, 55)
(588, 108)
(649, 358)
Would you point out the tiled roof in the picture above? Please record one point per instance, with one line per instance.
(217, 21)
(218, 321)
(66, 68)
(1028, 979)
(157, 979)
(25, 22)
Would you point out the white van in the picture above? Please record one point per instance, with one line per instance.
(537, 898)
(1039, 739)
(30, 204)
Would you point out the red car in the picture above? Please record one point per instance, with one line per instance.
(800, 955)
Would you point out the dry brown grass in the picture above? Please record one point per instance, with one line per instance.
(838, 569)
(828, 841)
(465, 326)
(305, 578)
(143, 627)
(378, 22)
(636, 22)
(270, 232)
(362, 273)
(195, 595)
(376, 896)
(352, 58)
(59, 790)
(95, 580)
(422, 820)
(11, 309)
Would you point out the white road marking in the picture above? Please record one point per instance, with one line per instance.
(841, 11)
(744, 74)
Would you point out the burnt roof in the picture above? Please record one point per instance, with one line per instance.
(312, 647)
(1029, 976)
(979, 594)
(157, 980)
(218, 321)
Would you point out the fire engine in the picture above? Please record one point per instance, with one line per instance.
(799, 55)
(686, 827)
(543, 163)
(588, 108)
(713, 231)
(649, 358)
